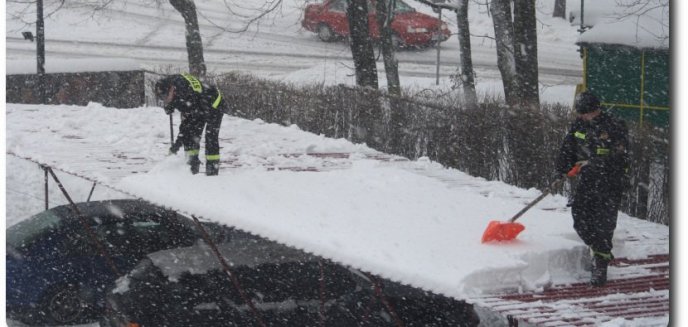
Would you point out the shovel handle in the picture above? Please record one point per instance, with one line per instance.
(171, 131)
(538, 199)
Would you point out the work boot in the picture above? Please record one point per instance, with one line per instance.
(195, 163)
(598, 275)
(212, 167)
(586, 260)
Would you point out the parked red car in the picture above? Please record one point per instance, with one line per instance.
(411, 28)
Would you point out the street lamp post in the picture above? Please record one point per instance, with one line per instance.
(581, 29)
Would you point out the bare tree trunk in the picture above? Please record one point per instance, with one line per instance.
(467, 73)
(385, 14)
(559, 9)
(194, 43)
(394, 136)
(504, 35)
(525, 46)
(361, 45)
(40, 53)
(517, 60)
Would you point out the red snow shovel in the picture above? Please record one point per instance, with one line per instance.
(507, 231)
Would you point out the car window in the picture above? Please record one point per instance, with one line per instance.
(55, 243)
(338, 5)
(402, 7)
(138, 234)
(73, 241)
(24, 233)
(114, 236)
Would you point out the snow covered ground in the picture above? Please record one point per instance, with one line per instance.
(411, 221)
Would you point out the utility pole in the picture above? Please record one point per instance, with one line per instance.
(40, 51)
(582, 25)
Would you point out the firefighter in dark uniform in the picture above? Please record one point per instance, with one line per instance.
(201, 107)
(597, 142)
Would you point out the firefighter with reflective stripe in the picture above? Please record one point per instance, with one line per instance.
(201, 107)
(598, 142)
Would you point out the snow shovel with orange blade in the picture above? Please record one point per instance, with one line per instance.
(507, 231)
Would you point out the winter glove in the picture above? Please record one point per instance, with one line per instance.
(169, 109)
(575, 170)
(176, 145)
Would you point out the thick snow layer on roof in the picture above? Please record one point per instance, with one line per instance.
(410, 221)
(78, 65)
(641, 27)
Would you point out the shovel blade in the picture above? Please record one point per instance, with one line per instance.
(501, 231)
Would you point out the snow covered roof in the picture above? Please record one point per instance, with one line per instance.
(635, 27)
(415, 222)
(77, 65)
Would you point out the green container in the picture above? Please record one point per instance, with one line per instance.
(631, 83)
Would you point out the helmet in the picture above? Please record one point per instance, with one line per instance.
(587, 102)
(162, 86)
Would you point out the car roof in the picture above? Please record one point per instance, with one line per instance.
(107, 211)
(110, 209)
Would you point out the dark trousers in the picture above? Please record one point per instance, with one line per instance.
(594, 219)
(192, 127)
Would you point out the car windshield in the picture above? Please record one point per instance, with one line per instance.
(402, 7)
(23, 233)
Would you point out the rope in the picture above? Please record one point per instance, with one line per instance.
(93, 180)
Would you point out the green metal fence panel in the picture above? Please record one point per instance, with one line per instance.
(632, 83)
(656, 87)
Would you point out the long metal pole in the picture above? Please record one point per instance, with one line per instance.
(582, 16)
(45, 184)
(171, 131)
(581, 29)
(91, 193)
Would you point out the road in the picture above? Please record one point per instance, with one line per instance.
(153, 37)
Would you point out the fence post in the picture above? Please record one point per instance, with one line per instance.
(91, 193)
(45, 185)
